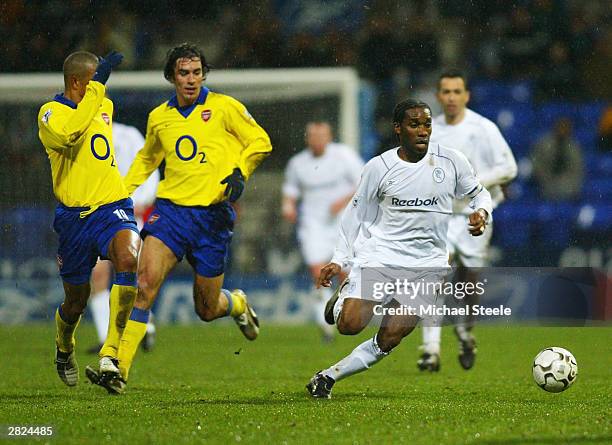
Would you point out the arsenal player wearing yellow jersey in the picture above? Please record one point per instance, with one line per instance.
(211, 145)
(95, 216)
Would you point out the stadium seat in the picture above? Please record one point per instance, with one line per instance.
(501, 93)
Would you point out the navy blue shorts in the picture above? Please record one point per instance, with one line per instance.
(83, 240)
(203, 234)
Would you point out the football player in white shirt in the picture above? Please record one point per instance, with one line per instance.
(482, 143)
(127, 140)
(401, 208)
(323, 178)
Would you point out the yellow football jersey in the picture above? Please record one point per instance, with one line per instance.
(79, 143)
(202, 144)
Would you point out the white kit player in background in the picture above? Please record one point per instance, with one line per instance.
(402, 208)
(322, 178)
(483, 145)
(128, 141)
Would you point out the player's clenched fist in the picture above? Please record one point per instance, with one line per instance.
(478, 222)
(328, 271)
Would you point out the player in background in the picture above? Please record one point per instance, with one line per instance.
(402, 208)
(482, 143)
(127, 141)
(211, 146)
(323, 178)
(95, 216)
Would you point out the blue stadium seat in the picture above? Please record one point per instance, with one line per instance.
(500, 93)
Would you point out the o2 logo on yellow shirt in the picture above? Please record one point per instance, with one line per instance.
(189, 148)
(97, 155)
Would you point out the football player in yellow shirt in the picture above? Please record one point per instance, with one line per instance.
(95, 216)
(211, 145)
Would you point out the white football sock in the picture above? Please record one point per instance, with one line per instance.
(100, 312)
(363, 357)
(321, 296)
(338, 308)
(431, 339)
(150, 324)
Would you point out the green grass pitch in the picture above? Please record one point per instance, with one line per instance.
(206, 384)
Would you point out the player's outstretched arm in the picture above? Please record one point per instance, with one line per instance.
(60, 131)
(146, 161)
(254, 139)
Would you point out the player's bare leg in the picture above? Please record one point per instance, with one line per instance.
(100, 300)
(155, 263)
(354, 317)
(212, 302)
(123, 253)
(67, 319)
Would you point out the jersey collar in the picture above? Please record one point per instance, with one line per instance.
(186, 111)
(64, 100)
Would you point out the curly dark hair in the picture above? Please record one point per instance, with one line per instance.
(400, 109)
(183, 51)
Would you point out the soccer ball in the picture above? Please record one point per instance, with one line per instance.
(555, 369)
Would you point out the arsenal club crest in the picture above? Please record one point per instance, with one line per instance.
(106, 118)
(206, 114)
(153, 218)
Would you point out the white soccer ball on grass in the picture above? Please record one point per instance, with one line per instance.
(555, 369)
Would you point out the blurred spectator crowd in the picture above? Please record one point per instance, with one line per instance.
(566, 45)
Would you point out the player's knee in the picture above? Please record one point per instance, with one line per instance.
(144, 300)
(126, 262)
(349, 326)
(74, 308)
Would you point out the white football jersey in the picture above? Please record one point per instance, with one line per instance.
(128, 141)
(402, 209)
(319, 181)
(482, 143)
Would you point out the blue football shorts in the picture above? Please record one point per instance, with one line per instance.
(83, 240)
(202, 234)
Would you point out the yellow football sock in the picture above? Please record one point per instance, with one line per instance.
(133, 334)
(64, 337)
(236, 304)
(122, 297)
